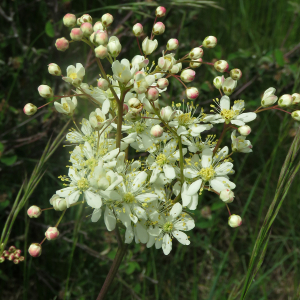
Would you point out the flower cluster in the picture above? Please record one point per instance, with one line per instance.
(151, 197)
(12, 254)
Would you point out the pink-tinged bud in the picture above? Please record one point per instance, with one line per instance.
(160, 11)
(107, 19)
(17, 255)
(125, 109)
(76, 34)
(188, 75)
(196, 53)
(16, 261)
(218, 82)
(196, 63)
(19, 251)
(45, 91)
(285, 100)
(29, 109)
(152, 94)
(135, 105)
(34, 211)
(54, 69)
(69, 20)
(192, 93)
(11, 249)
(296, 98)
(244, 130)
(103, 84)
(157, 131)
(11, 257)
(221, 65)
(87, 29)
(167, 113)
(137, 29)
(158, 28)
(210, 42)
(52, 233)
(101, 37)
(236, 74)
(98, 26)
(21, 258)
(62, 44)
(228, 86)
(234, 221)
(162, 83)
(35, 250)
(5, 253)
(296, 115)
(2, 259)
(227, 196)
(101, 52)
(86, 18)
(172, 44)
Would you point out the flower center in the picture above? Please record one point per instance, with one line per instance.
(168, 227)
(161, 159)
(140, 127)
(83, 184)
(103, 148)
(129, 198)
(185, 119)
(99, 119)
(66, 106)
(207, 173)
(73, 75)
(91, 163)
(228, 114)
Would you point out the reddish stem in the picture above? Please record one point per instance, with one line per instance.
(139, 46)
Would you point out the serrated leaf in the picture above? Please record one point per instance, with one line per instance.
(49, 29)
(279, 57)
(9, 160)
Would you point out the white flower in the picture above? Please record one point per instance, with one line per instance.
(142, 82)
(195, 144)
(167, 61)
(114, 46)
(97, 118)
(67, 105)
(231, 115)
(149, 46)
(240, 144)
(141, 61)
(87, 133)
(122, 71)
(269, 97)
(75, 75)
(209, 170)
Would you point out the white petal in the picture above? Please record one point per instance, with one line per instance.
(106, 106)
(109, 219)
(146, 197)
(140, 212)
(194, 187)
(193, 203)
(74, 197)
(139, 180)
(190, 173)
(176, 210)
(96, 214)
(169, 171)
(112, 154)
(181, 237)
(206, 158)
(224, 168)
(142, 233)
(129, 235)
(167, 244)
(225, 102)
(151, 241)
(237, 122)
(247, 117)
(92, 199)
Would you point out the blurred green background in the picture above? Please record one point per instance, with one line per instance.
(259, 37)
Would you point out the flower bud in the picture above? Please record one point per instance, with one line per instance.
(188, 75)
(162, 83)
(192, 93)
(234, 221)
(236, 74)
(54, 69)
(221, 65)
(160, 11)
(125, 108)
(101, 52)
(86, 18)
(296, 98)
(34, 211)
(172, 44)
(21, 258)
(296, 115)
(135, 105)
(166, 62)
(167, 113)
(16, 261)
(210, 42)
(18, 251)
(152, 94)
(11, 257)
(87, 29)
(149, 46)
(195, 64)
(196, 53)
(2, 259)
(52, 233)
(29, 109)
(285, 100)
(137, 29)
(35, 250)
(76, 34)
(228, 86)
(157, 131)
(107, 19)
(158, 28)
(5, 253)
(17, 255)
(269, 98)
(132, 116)
(11, 249)
(227, 196)
(60, 204)
(176, 68)
(62, 44)
(100, 37)
(45, 91)
(244, 130)
(114, 46)
(98, 26)
(103, 84)
(69, 20)
(218, 82)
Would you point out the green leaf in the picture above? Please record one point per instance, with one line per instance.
(204, 86)
(1, 148)
(49, 29)
(279, 57)
(131, 268)
(137, 288)
(4, 204)
(204, 224)
(9, 160)
(218, 205)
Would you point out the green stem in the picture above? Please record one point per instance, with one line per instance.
(120, 119)
(112, 272)
(181, 160)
